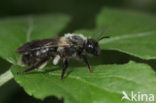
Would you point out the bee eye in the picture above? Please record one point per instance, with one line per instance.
(90, 46)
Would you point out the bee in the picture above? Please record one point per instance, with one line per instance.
(37, 53)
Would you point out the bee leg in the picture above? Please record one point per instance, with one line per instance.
(65, 65)
(36, 65)
(27, 70)
(86, 62)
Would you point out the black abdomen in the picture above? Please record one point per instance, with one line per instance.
(30, 58)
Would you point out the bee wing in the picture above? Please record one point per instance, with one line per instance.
(41, 44)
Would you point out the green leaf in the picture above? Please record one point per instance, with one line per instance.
(131, 32)
(104, 85)
(14, 32)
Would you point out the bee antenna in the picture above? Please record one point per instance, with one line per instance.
(103, 37)
(101, 33)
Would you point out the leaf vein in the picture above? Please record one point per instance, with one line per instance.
(30, 28)
(129, 36)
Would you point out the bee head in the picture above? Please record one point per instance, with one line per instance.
(92, 47)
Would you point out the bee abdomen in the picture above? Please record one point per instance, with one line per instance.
(28, 59)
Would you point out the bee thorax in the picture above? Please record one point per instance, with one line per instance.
(77, 39)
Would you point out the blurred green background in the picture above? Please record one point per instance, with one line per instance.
(83, 13)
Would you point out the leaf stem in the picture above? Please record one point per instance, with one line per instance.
(5, 77)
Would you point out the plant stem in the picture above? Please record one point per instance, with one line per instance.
(5, 77)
